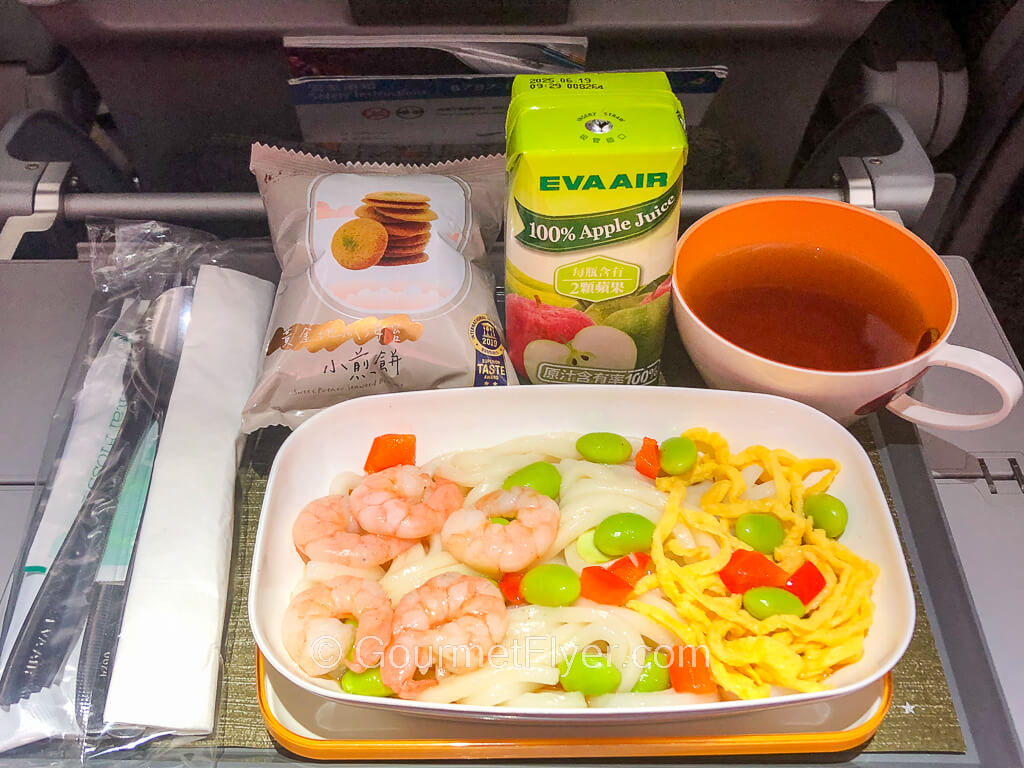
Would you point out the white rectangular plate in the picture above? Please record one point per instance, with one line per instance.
(338, 438)
(309, 716)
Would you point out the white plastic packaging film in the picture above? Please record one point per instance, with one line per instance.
(98, 411)
(176, 553)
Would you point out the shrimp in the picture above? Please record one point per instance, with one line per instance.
(404, 502)
(451, 622)
(492, 548)
(317, 638)
(326, 530)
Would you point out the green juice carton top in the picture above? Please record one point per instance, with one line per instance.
(595, 165)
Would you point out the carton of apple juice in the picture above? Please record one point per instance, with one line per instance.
(595, 166)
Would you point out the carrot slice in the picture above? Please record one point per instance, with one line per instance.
(509, 586)
(647, 460)
(689, 670)
(632, 567)
(603, 586)
(390, 451)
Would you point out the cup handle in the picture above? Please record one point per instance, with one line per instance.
(1001, 376)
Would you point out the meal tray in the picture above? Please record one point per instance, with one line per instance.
(319, 729)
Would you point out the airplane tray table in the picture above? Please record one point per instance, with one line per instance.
(946, 707)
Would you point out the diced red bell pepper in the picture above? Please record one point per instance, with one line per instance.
(390, 451)
(632, 567)
(747, 569)
(602, 586)
(509, 586)
(689, 670)
(806, 582)
(647, 460)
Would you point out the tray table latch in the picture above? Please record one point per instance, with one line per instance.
(876, 156)
(37, 183)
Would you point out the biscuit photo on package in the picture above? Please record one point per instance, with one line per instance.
(359, 243)
(384, 284)
(394, 212)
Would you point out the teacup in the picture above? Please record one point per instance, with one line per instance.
(826, 303)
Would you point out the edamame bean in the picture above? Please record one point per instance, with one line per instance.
(500, 520)
(760, 530)
(588, 551)
(604, 447)
(654, 676)
(828, 513)
(762, 602)
(366, 683)
(542, 476)
(677, 455)
(592, 674)
(550, 584)
(624, 533)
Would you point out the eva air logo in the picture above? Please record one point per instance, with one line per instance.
(596, 181)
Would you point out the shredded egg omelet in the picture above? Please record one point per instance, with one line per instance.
(749, 656)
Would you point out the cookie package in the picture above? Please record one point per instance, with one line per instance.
(384, 281)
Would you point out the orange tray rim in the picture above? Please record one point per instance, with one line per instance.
(497, 749)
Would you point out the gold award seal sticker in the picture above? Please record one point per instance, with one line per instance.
(489, 370)
(485, 336)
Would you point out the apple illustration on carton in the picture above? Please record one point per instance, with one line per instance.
(596, 346)
(540, 333)
(528, 320)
